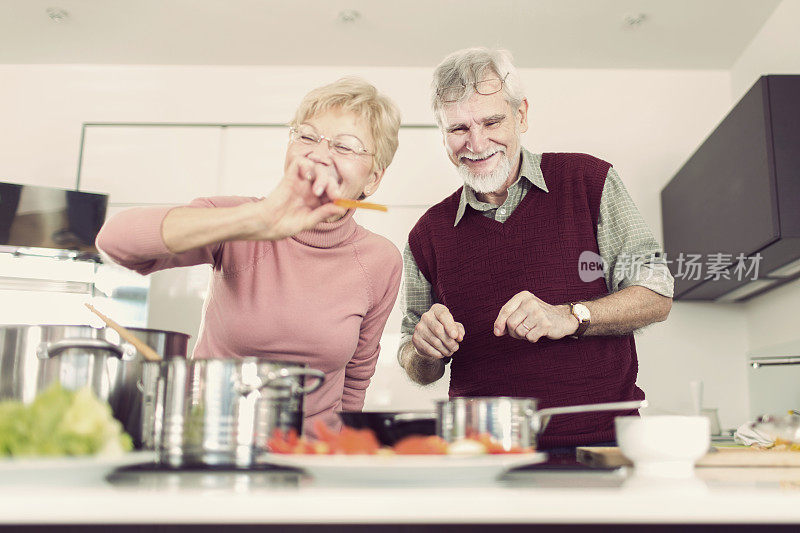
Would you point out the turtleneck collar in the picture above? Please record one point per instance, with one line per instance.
(329, 234)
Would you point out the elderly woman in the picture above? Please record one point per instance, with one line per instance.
(294, 277)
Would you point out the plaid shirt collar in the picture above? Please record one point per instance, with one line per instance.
(530, 169)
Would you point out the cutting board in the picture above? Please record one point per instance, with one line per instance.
(611, 457)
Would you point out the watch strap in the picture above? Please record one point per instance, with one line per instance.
(583, 324)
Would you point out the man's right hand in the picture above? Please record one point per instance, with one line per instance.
(437, 334)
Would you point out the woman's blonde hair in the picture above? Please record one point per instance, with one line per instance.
(362, 98)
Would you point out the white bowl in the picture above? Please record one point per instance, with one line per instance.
(663, 446)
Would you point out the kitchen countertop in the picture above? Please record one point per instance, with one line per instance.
(550, 493)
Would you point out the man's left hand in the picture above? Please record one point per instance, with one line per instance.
(526, 317)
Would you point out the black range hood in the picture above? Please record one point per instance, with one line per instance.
(49, 221)
(738, 197)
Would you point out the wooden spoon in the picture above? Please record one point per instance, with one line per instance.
(148, 353)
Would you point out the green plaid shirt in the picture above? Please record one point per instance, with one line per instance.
(629, 249)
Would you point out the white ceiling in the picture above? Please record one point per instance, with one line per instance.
(675, 34)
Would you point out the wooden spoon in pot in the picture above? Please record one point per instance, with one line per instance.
(148, 353)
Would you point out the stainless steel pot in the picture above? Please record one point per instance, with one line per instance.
(32, 357)
(222, 411)
(513, 422)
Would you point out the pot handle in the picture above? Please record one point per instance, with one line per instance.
(46, 350)
(272, 379)
(542, 416)
(413, 417)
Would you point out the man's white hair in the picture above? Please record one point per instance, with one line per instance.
(468, 66)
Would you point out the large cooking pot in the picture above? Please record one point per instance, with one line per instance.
(33, 357)
(512, 422)
(223, 411)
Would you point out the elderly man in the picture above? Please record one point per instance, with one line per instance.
(497, 275)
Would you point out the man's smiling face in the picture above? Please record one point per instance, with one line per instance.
(482, 137)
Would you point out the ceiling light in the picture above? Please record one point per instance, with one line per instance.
(348, 16)
(634, 20)
(57, 14)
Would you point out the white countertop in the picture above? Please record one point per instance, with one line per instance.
(81, 494)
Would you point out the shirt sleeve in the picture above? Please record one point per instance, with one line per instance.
(361, 367)
(133, 239)
(630, 252)
(416, 297)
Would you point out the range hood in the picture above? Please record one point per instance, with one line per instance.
(49, 221)
(733, 210)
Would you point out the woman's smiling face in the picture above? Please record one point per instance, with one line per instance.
(354, 173)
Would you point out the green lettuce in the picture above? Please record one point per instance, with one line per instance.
(61, 422)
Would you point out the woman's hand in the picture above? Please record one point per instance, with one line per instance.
(301, 200)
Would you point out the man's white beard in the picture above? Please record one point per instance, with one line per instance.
(487, 183)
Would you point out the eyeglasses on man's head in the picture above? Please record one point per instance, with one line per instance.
(454, 93)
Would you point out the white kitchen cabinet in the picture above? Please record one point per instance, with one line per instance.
(176, 300)
(772, 378)
(151, 164)
(420, 174)
(252, 159)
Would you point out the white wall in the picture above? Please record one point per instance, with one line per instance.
(775, 50)
(646, 122)
(769, 318)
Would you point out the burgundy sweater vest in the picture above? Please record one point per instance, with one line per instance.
(477, 266)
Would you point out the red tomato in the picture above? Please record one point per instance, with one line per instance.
(357, 441)
(278, 442)
(494, 447)
(417, 445)
(324, 432)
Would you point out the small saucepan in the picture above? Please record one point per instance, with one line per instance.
(513, 422)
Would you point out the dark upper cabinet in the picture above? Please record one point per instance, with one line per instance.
(738, 196)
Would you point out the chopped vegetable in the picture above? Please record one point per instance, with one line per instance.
(781, 444)
(351, 441)
(61, 422)
(494, 447)
(352, 204)
(347, 442)
(466, 447)
(421, 445)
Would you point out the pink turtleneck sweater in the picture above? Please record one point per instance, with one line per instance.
(321, 297)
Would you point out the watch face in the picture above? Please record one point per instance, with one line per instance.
(581, 312)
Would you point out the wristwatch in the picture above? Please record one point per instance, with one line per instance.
(581, 312)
